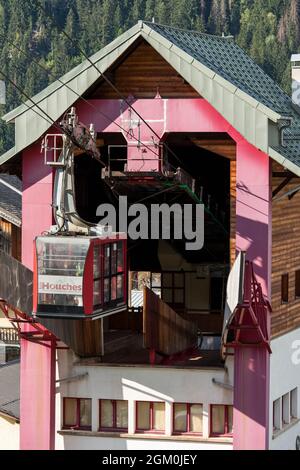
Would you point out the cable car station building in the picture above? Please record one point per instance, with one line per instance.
(141, 344)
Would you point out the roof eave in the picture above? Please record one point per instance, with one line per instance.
(5, 414)
(10, 218)
(71, 75)
(284, 162)
(8, 155)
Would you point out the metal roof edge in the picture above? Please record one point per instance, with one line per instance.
(8, 155)
(284, 161)
(229, 86)
(8, 415)
(70, 75)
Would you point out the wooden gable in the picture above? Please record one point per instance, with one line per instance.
(142, 72)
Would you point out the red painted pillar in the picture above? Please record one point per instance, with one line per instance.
(37, 395)
(254, 235)
(37, 380)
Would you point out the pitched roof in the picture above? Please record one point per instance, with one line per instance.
(216, 67)
(11, 199)
(10, 389)
(224, 57)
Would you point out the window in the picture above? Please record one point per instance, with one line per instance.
(285, 288)
(60, 271)
(297, 284)
(113, 272)
(113, 415)
(77, 413)
(285, 410)
(150, 417)
(294, 404)
(221, 420)
(187, 418)
(173, 288)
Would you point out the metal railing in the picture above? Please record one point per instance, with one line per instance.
(122, 163)
(9, 336)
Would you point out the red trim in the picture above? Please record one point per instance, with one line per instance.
(35, 279)
(89, 309)
(77, 424)
(188, 420)
(226, 422)
(250, 320)
(88, 281)
(151, 429)
(114, 427)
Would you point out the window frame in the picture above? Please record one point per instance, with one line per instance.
(173, 288)
(188, 420)
(114, 406)
(151, 430)
(285, 300)
(112, 275)
(226, 422)
(297, 286)
(77, 425)
(294, 404)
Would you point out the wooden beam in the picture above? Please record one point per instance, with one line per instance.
(282, 185)
(225, 147)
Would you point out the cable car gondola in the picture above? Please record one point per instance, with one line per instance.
(80, 269)
(79, 277)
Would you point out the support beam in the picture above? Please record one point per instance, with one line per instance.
(282, 185)
(254, 236)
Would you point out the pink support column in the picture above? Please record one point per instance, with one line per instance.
(37, 381)
(254, 235)
(37, 395)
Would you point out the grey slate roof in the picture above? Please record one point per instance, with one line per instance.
(10, 200)
(10, 389)
(226, 58)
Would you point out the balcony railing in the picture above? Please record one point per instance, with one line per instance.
(9, 336)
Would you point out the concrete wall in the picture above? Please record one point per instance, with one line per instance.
(9, 434)
(134, 383)
(285, 377)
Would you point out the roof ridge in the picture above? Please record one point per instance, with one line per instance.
(200, 33)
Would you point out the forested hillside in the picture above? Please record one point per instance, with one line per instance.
(268, 29)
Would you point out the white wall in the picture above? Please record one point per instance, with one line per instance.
(96, 443)
(285, 377)
(134, 383)
(9, 434)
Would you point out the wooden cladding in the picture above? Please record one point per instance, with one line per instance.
(285, 257)
(10, 239)
(143, 73)
(164, 330)
(84, 337)
(16, 283)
